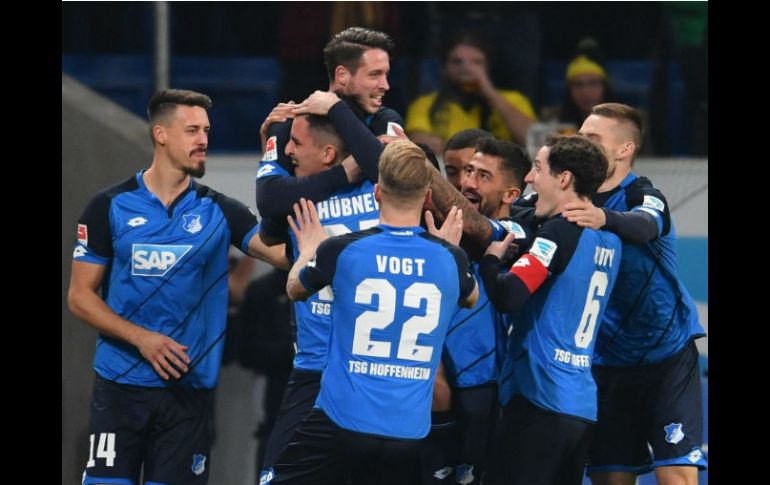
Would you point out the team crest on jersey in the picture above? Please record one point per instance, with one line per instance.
(137, 221)
(271, 153)
(83, 234)
(514, 228)
(674, 433)
(79, 252)
(464, 474)
(543, 249)
(653, 202)
(199, 464)
(156, 259)
(192, 223)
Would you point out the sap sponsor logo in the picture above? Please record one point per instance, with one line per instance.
(266, 169)
(137, 221)
(543, 249)
(514, 228)
(271, 153)
(674, 433)
(266, 476)
(464, 474)
(156, 259)
(79, 252)
(199, 464)
(653, 202)
(192, 223)
(443, 473)
(83, 234)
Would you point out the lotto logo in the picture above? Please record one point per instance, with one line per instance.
(156, 259)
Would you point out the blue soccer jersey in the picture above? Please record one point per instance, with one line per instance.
(475, 341)
(550, 350)
(349, 210)
(650, 315)
(395, 289)
(472, 342)
(167, 273)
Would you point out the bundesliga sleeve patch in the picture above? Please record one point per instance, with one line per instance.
(653, 202)
(83, 234)
(514, 228)
(543, 249)
(271, 153)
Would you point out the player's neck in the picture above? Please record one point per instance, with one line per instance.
(398, 217)
(620, 173)
(165, 182)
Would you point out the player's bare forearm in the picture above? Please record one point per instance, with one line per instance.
(295, 290)
(475, 226)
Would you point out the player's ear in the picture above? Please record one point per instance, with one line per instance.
(341, 75)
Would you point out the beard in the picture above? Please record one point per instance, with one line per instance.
(196, 172)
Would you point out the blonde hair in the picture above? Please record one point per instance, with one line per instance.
(404, 171)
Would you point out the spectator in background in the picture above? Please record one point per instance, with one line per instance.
(467, 98)
(587, 85)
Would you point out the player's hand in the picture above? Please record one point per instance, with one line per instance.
(279, 114)
(500, 248)
(395, 132)
(318, 103)
(307, 229)
(585, 214)
(164, 354)
(452, 228)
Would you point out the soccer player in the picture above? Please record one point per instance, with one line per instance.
(395, 287)
(357, 62)
(557, 292)
(157, 245)
(646, 362)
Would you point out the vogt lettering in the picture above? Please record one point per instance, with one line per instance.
(396, 265)
(156, 259)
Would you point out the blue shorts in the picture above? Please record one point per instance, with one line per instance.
(168, 429)
(660, 404)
